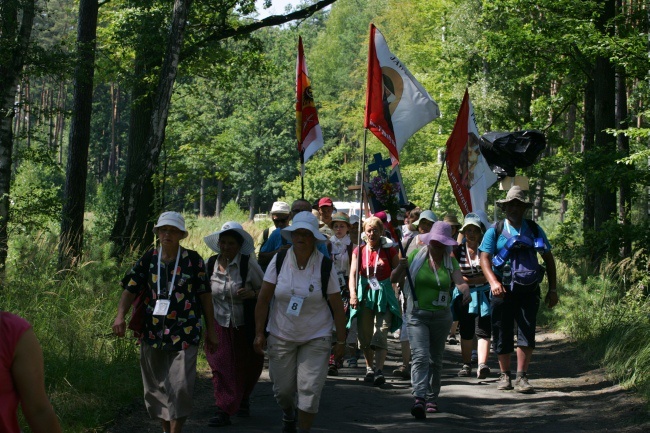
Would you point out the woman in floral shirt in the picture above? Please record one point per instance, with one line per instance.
(171, 282)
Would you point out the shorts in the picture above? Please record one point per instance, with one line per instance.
(517, 306)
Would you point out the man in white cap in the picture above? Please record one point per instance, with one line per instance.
(280, 212)
(276, 242)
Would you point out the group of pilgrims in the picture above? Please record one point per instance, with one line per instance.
(315, 299)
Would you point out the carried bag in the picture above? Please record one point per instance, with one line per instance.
(138, 314)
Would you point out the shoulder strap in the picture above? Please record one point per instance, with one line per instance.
(279, 259)
(243, 267)
(533, 227)
(265, 235)
(408, 242)
(325, 270)
(210, 265)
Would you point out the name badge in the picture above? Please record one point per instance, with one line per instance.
(374, 283)
(162, 306)
(342, 280)
(443, 299)
(295, 305)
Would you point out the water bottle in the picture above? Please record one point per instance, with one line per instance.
(506, 275)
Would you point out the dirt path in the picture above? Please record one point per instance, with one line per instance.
(570, 397)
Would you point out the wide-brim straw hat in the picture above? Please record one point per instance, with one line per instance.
(441, 232)
(171, 218)
(307, 221)
(515, 193)
(247, 247)
(452, 220)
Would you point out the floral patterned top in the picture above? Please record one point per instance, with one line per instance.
(181, 327)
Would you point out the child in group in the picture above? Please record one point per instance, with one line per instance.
(341, 251)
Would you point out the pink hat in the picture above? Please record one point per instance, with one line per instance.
(381, 215)
(441, 232)
(325, 201)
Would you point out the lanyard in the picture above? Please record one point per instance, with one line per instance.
(374, 274)
(435, 271)
(469, 259)
(171, 288)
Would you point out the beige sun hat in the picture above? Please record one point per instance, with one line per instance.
(515, 193)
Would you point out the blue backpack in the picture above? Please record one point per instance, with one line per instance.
(526, 270)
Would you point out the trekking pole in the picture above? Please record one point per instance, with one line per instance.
(435, 189)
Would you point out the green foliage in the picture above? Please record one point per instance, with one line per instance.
(609, 315)
(71, 313)
(36, 192)
(103, 207)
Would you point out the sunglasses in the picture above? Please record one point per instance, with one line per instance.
(280, 220)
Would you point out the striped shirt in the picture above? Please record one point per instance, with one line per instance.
(469, 270)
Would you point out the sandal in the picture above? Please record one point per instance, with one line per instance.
(417, 410)
(432, 407)
(402, 371)
(466, 371)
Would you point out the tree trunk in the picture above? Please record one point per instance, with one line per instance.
(587, 148)
(219, 204)
(74, 196)
(15, 43)
(137, 198)
(202, 198)
(251, 205)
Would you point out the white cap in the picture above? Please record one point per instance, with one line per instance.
(280, 207)
(173, 219)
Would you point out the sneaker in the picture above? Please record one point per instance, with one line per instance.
(221, 420)
(466, 371)
(332, 370)
(452, 340)
(352, 362)
(402, 371)
(417, 410)
(379, 378)
(483, 371)
(474, 356)
(289, 426)
(370, 375)
(504, 382)
(522, 385)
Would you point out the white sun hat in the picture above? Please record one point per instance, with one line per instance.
(307, 221)
(212, 240)
(173, 219)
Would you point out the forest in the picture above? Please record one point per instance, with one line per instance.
(113, 111)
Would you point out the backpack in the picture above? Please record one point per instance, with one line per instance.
(526, 270)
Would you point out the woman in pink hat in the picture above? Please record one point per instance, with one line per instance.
(434, 272)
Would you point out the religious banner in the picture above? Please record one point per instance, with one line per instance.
(469, 174)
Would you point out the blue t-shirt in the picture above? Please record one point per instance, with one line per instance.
(488, 244)
(275, 241)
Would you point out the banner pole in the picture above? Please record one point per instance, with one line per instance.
(435, 189)
(302, 175)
